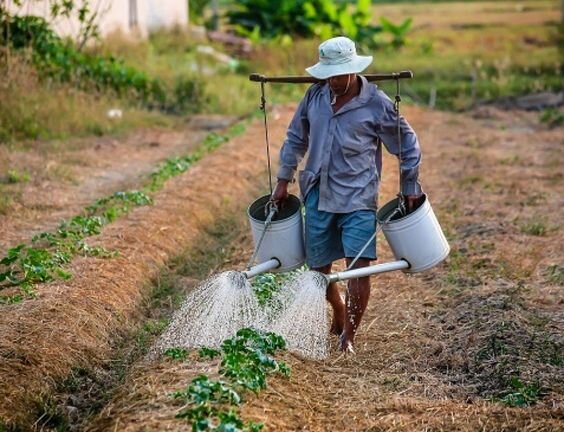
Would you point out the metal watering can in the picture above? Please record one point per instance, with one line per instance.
(416, 239)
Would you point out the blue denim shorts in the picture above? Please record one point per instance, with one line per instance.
(332, 236)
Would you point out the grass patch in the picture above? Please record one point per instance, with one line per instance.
(536, 227)
(31, 109)
(520, 394)
(555, 274)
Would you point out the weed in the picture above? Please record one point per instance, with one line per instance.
(15, 176)
(553, 117)
(555, 274)
(176, 353)
(470, 180)
(511, 161)
(6, 201)
(520, 394)
(535, 227)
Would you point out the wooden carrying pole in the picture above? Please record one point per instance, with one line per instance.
(309, 79)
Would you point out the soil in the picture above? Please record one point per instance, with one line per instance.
(436, 351)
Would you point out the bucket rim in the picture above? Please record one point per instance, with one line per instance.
(294, 209)
(393, 204)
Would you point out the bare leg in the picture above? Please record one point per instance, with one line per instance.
(358, 293)
(334, 298)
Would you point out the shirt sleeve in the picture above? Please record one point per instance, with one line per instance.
(410, 149)
(296, 143)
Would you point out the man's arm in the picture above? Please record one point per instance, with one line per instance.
(293, 150)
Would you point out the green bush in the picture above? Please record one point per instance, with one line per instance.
(322, 18)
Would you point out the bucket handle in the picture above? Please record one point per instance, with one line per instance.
(378, 228)
(272, 209)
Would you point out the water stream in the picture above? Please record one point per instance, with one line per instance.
(225, 303)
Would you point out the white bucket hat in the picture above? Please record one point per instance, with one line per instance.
(337, 56)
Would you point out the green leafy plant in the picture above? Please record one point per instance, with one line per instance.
(246, 360)
(322, 18)
(397, 31)
(520, 394)
(176, 353)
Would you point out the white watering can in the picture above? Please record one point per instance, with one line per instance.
(417, 240)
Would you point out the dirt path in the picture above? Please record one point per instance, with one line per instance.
(63, 179)
(434, 349)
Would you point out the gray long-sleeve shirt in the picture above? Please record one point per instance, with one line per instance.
(345, 148)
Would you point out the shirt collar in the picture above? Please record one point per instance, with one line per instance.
(357, 101)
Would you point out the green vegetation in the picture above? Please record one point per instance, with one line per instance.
(267, 285)
(520, 394)
(246, 361)
(176, 353)
(457, 64)
(303, 18)
(552, 117)
(177, 165)
(555, 274)
(536, 227)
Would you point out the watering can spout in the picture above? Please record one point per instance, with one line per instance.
(367, 271)
(271, 264)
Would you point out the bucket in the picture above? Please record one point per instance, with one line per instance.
(416, 238)
(284, 239)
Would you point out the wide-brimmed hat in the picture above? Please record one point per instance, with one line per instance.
(337, 56)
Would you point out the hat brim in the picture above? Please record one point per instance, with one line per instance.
(324, 71)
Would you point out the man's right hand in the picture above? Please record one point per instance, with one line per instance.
(280, 193)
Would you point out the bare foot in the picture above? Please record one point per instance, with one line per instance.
(346, 344)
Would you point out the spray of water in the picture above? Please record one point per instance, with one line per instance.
(304, 321)
(213, 312)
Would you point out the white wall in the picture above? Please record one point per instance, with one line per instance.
(114, 15)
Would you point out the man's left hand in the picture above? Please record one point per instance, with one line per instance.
(412, 202)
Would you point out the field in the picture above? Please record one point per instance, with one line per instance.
(476, 343)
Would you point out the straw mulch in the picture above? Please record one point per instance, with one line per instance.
(436, 351)
(74, 323)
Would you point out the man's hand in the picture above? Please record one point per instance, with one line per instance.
(412, 202)
(280, 193)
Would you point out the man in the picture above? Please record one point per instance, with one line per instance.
(342, 123)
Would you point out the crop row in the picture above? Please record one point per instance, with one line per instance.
(45, 257)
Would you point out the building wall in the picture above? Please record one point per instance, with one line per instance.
(115, 15)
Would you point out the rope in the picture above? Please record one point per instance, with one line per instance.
(263, 108)
(378, 229)
(267, 223)
(401, 202)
